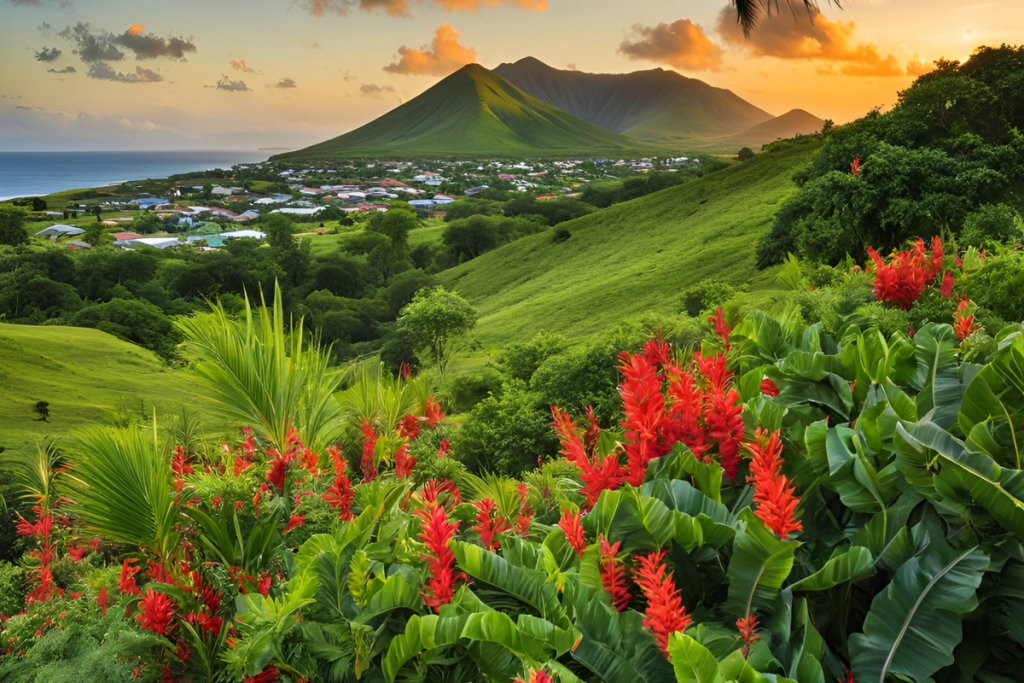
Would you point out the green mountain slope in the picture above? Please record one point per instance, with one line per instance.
(630, 258)
(656, 106)
(792, 123)
(472, 111)
(86, 375)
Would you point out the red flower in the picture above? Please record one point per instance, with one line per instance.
(525, 516)
(409, 427)
(369, 445)
(593, 430)
(101, 599)
(776, 504)
(268, 675)
(156, 612)
(404, 370)
(613, 575)
(311, 462)
(404, 463)
(443, 448)
(432, 412)
(127, 583)
(721, 329)
(277, 472)
(488, 523)
(964, 325)
(600, 475)
(570, 524)
(657, 351)
(947, 284)
(748, 631)
(540, 676)
(723, 412)
(769, 388)
(263, 585)
(902, 280)
(241, 464)
(855, 166)
(644, 408)
(686, 411)
(340, 494)
(436, 535)
(295, 521)
(665, 611)
(77, 553)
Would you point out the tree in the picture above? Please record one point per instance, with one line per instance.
(12, 226)
(750, 12)
(437, 320)
(42, 409)
(745, 153)
(395, 225)
(207, 191)
(38, 204)
(94, 234)
(147, 222)
(279, 232)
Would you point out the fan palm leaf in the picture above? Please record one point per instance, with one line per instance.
(261, 373)
(37, 474)
(750, 12)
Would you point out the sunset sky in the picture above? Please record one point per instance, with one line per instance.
(233, 74)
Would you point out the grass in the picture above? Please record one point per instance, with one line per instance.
(87, 376)
(431, 233)
(631, 258)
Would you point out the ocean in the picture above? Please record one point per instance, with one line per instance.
(38, 173)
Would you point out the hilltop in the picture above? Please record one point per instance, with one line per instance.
(472, 111)
(633, 257)
(86, 376)
(658, 106)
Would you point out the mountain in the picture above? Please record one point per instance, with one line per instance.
(655, 106)
(792, 123)
(472, 111)
(632, 258)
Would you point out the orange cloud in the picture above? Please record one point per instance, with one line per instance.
(681, 44)
(474, 5)
(919, 67)
(810, 38)
(443, 56)
(135, 29)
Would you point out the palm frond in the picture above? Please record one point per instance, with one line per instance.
(36, 474)
(381, 398)
(750, 12)
(263, 373)
(122, 487)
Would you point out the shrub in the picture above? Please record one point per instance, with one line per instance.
(12, 589)
(580, 377)
(999, 286)
(468, 389)
(706, 295)
(991, 223)
(520, 361)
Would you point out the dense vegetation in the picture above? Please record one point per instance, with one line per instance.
(946, 160)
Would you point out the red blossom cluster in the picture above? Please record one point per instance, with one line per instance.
(155, 612)
(40, 530)
(904, 277)
(339, 495)
(598, 473)
(369, 445)
(665, 611)
(776, 504)
(613, 574)
(643, 406)
(747, 627)
(489, 523)
(538, 676)
(437, 534)
(964, 324)
(570, 524)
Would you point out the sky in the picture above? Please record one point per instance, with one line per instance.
(264, 74)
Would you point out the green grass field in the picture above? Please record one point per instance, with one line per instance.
(430, 233)
(631, 258)
(87, 376)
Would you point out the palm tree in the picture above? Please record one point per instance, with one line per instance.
(750, 12)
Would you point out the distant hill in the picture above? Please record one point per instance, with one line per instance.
(86, 375)
(631, 258)
(792, 123)
(656, 106)
(472, 111)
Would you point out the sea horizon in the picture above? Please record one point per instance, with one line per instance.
(29, 174)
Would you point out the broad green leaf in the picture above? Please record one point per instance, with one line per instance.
(692, 661)
(848, 564)
(396, 593)
(759, 566)
(938, 377)
(914, 623)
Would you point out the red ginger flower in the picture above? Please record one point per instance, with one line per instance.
(539, 676)
(101, 600)
(613, 575)
(127, 582)
(947, 284)
(409, 427)
(156, 612)
(964, 325)
(593, 430)
(525, 517)
(902, 280)
(769, 388)
(77, 553)
(404, 463)
(855, 166)
(644, 408)
(658, 351)
(748, 631)
(436, 535)
(488, 523)
(311, 462)
(665, 611)
(721, 329)
(369, 444)
(241, 464)
(268, 675)
(277, 472)
(443, 448)
(295, 521)
(570, 524)
(606, 474)
(686, 411)
(723, 412)
(432, 412)
(776, 504)
(340, 494)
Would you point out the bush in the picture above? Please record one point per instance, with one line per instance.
(505, 433)
(466, 390)
(560, 235)
(999, 286)
(991, 223)
(580, 377)
(12, 589)
(706, 295)
(744, 154)
(520, 361)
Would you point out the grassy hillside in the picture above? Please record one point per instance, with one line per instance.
(631, 258)
(656, 106)
(473, 111)
(86, 375)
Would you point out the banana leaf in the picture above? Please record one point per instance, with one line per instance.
(759, 566)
